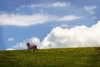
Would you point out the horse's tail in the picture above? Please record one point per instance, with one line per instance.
(36, 47)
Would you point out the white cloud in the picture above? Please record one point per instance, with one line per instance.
(90, 9)
(18, 9)
(94, 17)
(63, 25)
(47, 5)
(79, 36)
(69, 18)
(60, 4)
(27, 20)
(11, 39)
(23, 20)
(34, 40)
(10, 49)
(21, 45)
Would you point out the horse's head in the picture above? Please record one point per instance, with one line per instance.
(27, 44)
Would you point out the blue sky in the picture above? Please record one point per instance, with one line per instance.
(24, 19)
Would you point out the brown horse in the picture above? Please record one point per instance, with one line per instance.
(34, 47)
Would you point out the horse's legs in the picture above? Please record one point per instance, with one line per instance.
(33, 50)
(36, 48)
(27, 50)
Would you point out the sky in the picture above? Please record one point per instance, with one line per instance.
(49, 23)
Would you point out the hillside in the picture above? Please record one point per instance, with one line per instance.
(59, 57)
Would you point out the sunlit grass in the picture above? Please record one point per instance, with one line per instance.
(60, 57)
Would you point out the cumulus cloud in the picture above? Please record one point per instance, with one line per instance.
(90, 9)
(21, 45)
(27, 20)
(78, 36)
(32, 41)
(11, 39)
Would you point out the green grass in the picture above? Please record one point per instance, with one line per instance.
(60, 57)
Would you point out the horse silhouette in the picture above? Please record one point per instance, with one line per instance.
(34, 47)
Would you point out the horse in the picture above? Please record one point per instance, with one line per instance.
(34, 47)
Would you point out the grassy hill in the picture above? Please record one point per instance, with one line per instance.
(59, 57)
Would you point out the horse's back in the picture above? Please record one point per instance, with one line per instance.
(32, 46)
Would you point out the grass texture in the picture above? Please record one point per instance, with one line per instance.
(56, 57)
